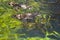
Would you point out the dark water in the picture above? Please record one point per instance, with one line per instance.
(55, 26)
(56, 23)
(38, 33)
(31, 33)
